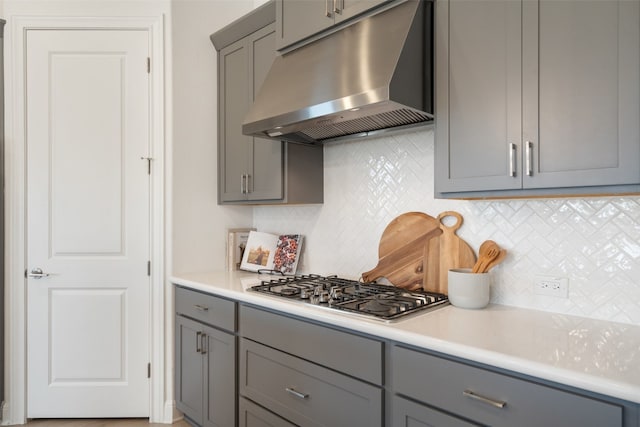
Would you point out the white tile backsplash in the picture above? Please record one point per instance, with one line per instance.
(595, 242)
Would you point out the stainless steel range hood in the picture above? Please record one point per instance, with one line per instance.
(371, 76)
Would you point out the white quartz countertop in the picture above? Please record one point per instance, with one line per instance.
(594, 355)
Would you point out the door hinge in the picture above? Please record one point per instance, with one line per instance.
(148, 65)
(149, 268)
(148, 159)
(148, 370)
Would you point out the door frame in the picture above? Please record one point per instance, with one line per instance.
(14, 409)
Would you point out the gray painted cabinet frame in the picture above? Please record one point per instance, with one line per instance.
(537, 97)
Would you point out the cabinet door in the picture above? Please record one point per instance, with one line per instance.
(345, 9)
(234, 148)
(478, 101)
(188, 368)
(300, 19)
(266, 180)
(581, 92)
(409, 414)
(219, 353)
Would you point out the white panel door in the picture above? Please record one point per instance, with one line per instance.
(87, 223)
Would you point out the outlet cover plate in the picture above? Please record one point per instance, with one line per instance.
(551, 286)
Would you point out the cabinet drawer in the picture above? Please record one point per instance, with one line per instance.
(252, 415)
(358, 356)
(410, 414)
(441, 383)
(206, 308)
(305, 393)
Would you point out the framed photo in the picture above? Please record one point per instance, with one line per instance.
(236, 243)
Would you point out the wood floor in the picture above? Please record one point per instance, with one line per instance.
(136, 422)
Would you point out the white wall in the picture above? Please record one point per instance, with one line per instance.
(199, 224)
(595, 242)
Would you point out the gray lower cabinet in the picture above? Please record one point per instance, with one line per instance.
(298, 20)
(205, 359)
(489, 398)
(294, 372)
(309, 374)
(537, 97)
(256, 170)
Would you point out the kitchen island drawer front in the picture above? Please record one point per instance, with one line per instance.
(215, 311)
(491, 398)
(318, 344)
(252, 415)
(305, 393)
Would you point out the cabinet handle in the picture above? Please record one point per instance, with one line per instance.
(336, 9)
(296, 393)
(529, 158)
(203, 343)
(495, 403)
(512, 159)
(242, 184)
(198, 342)
(248, 184)
(327, 13)
(201, 307)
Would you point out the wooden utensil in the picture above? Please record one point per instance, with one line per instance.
(497, 260)
(488, 251)
(401, 251)
(446, 252)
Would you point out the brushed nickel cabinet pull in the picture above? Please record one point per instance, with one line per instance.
(512, 159)
(203, 343)
(201, 307)
(336, 9)
(296, 393)
(248, 185)
(198, 342)
(242, 184)
(495, 403)
(327, 13)
(529, 158)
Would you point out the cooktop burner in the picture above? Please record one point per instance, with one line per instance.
(371, 299)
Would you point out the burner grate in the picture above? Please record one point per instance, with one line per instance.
(370, 299)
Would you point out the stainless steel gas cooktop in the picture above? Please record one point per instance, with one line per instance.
(374, 300)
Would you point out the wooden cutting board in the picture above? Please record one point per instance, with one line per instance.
(417, 250)
(446, 252)
(402, 250)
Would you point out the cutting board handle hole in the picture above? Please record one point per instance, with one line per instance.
(450, 219)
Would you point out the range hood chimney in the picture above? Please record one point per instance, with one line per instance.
(372, 76)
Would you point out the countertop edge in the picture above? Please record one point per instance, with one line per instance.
(593, 383)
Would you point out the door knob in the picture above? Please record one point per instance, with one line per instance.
(37, 273)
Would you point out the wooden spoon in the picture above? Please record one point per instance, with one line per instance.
(497, 260)
(488, 251)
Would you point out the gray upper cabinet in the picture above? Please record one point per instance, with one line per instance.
(250, 169)
(537, 97)
(256, 170)
(298, 19)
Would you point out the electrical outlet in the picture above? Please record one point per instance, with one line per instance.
(551, 286)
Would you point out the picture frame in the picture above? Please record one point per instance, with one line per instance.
(236, 242)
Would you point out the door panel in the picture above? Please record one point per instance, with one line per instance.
(82, 145)
(582, 93)
(87, 223)
(478, 95)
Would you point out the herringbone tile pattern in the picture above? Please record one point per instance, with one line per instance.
(595, 242)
